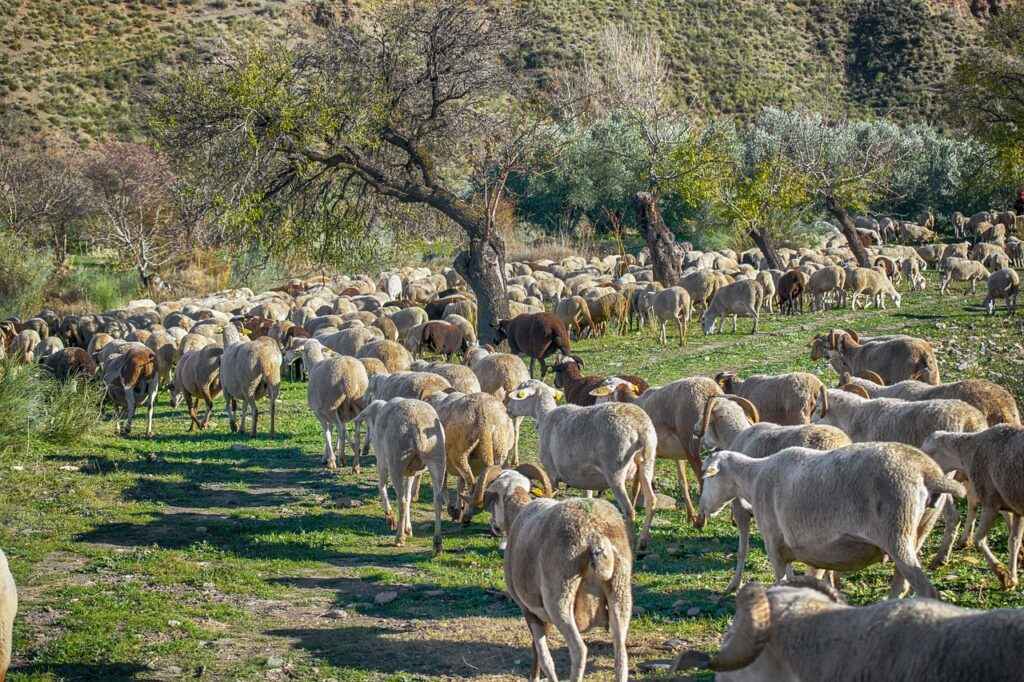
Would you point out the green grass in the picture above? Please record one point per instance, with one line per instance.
(203, 556)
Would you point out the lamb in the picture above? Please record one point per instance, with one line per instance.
(70, 363)
(131, 378)
(583, 583)
(1002, 284)
(963, 271)
(893, 358)
(842, 510)
(577, 388)
(593, 448)
(535, 335)
(826, 282)
(739, 298)
(198, 376)
(791, 631)
(993, 461)
(248, 371)
(784, 399)
(478, 434)
(672, 305)
(8, 610)
(995, 402)
(335, 395)
(407, 438)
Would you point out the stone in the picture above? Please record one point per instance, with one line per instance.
(336, 614)
(383, 598)
(693, 611)
(173, 670)
(663, 501)
(655, 666)
(673, 643)
(275, 662)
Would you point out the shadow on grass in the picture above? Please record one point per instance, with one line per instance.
(108, 672)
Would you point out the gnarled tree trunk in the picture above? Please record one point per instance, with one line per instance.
(768, 249)
(482, 265)
(659, 238)
(849, 231)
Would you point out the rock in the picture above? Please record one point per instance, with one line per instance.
(337, 614)
(69, 467)
(655, 666)
(274, 662)
(693, 611)
(173, 670)
(663, 501)
(434, 593)
(383, 598)
(673, 643)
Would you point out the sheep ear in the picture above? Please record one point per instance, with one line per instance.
(711, 470)
(601, 391)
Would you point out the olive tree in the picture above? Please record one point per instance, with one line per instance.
(407, 106)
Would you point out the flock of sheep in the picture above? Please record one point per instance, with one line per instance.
(836, 478)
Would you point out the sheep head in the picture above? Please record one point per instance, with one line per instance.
(718, 488)
(530, 398)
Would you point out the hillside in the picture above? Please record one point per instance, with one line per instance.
(73, 64)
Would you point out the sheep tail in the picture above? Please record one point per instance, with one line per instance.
(931, 370)
(135, 371)
(602, 557)
(940, 485)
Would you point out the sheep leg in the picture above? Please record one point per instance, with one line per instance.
(622, 497)
(437, 476)
(403, 490)
(966, 535)
(908, 568)
(341, 431)
(755, 316)
(255, 416)
(273, 391)
(532, 361)
(650, 502)
(356, 454)
(151, 406)
(193, 418)
(1016, 534)
(565, 621)
(950, 519)
(382, 487)
(742, 518)
(129, 413)
(517, 422)
(663, 337)
(209, 412)
(684, 486)
(734, 321)
(620, 608)
(329, 459)
(416, 486)
(241, 416)
(985, 520)
(231, 406)
(541, 653)
(466, 477)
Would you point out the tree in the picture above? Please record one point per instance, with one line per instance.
(42, 194)
(131, 189)
(987, 88)
(356, 118)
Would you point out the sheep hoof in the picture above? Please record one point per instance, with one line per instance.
(392, 524)
(1004, 577)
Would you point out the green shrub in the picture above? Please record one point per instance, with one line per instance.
(23, 275)
(35, 408)
(100, 289)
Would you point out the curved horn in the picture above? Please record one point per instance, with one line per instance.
(486, 477)
(833, 339)
(873, 377)
(748, 407)
(749, 632)
(705, 419)
(823, 394)
(578, 360)
(853, 335)
(856, 390)
(535, 472)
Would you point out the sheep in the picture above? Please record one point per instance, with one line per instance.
(574, 313)
(609, 307)
(535, 335)
(701, 285)
(248, 371)
(500, 374)
(1002, 284)
(478, 434)
(672, 305)
(131, 378)
(893, 359)
(413, 385)
(993, 461)
(165, 348)
(802, 630)
(872, 282)
(8, 610)
(739, 298)
(1015, 252)
(443, 338)
(784, 399)
(911, 271)
(673, 409)
(407, 439)
(841, 510)
(24, 345)
(568, 563)
(70, 363)
(577, 388)
(767, 282)
(198, 376)
(791, 290)
(828, 281)
(992, 400)
(461, 378)
(963, 271)
(594, 448)
(892, 419)
(335, 395)
(394, 356)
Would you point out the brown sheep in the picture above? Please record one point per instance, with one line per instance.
(577, 387)
(535, 335)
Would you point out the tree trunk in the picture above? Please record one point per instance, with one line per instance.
(482, 265)
(660, 240)
(60, 248)
(768, 249)
(849, 231)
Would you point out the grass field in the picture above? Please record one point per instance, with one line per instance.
(216, 557)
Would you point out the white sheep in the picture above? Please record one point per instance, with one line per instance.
(335, 395)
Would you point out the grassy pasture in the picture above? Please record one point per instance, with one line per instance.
(216, 557)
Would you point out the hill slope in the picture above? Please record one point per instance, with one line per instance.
(72, 64)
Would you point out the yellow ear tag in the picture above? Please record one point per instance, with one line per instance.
(711, 471)
(559, 395)
(537, 492)
(601, 391)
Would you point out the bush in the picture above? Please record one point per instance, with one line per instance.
(23, 276)
(35, 408)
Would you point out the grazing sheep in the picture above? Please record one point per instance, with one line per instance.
(568, 563)
(672, 305)
(841, 510)
(248, 371)
(131, 378)
(24, 345)
(793, 632)
(827, 282)
(611, 307)
(995, 402)
(461, 378)
(394, 356)
(963, 271)
(535, 335)
(784, 399)
(874, 284)
(412, 385)
(408, 439)
(478, 434)
(1002, 284)
(739, 298)
(198, 376)
(892, 358)
(443, 338)
(574, 313)
(910, 269)
(577, 387)
(335, 394)
(701, 285)
(993, 461)
(165, 348)
(9, 609)
(499, 375)
(593, 448)
(70, 363)
(790, 291)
